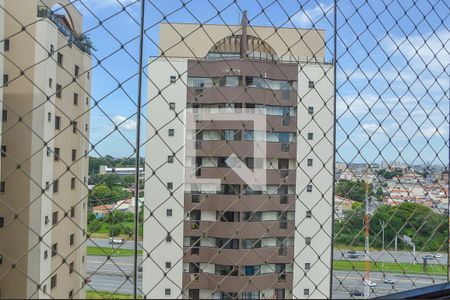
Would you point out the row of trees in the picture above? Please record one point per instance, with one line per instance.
(356, 190)
(427, 228)
(118, 222)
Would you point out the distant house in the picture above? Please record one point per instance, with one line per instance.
(127, 204)
(101, 210)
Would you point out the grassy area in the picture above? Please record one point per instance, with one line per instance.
(390, 267)
(99, 251)
(106, 295)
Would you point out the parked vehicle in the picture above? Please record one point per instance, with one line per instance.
(428, 256)
(388, 281)
(437, 255)
(114, 241)
(354, 254)
(370, 283)
(356, 293)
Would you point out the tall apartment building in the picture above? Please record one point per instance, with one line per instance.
(44, 140)
(233, 241)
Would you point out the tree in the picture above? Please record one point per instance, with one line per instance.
(379, 194)
(114, 230)
(353, 190)
(101, 192)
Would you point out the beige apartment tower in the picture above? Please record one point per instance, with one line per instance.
(44, 165)
(230, 240)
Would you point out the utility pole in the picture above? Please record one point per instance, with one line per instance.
(366, 248)
(383, 225)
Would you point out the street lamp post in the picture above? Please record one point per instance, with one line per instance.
(383, 225)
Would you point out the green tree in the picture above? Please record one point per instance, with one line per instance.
(114, 230)
(101, 192)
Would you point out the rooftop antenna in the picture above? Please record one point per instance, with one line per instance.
(244, 24)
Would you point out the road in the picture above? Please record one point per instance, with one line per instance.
(110, 275)
(94, 242)
(378, 256)
(393, 256)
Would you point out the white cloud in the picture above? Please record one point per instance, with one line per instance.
(312, 15)
(124, 122)
(433, 131)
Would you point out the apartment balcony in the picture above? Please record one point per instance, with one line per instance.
(275, 123)
(241, 94)
(237, 283)
(241, 257)
(228, 176)
(241, 149)
(262, 202)
(242, 230)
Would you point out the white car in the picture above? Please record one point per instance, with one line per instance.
(437, 255)
(116, 241)
(370, 283)
(388, 281)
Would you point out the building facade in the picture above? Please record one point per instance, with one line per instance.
(45, 140)
(233, 241)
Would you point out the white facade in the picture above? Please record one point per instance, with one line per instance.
(160, 147)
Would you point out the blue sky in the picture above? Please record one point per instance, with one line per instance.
(391, 76)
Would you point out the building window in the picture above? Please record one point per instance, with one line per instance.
(170, 159)
(55, 218)
(310, 136)
(168, 238)
(168, 265)
(71, 268)
(75, 99)
(46, 220)
(311, 84)
(309, 188)
(74, 126)
(167, 292)
(308, 241)
(72, 239)
(310, 110)
(60, 59)
(308, 214)
(57, 153)
(2, 222)
(172, 105)
(309, 162)
(4, 115)
(169, 212)
(6, 45)
(74, 154)
(54, 249)
(173, 79)
(71, 294)
(53, 281)
(5, 79)
(49, 117)
(50, 82)
(306, 292)
(56, 186)
(88, 75)
(87, 101)
(52, 49)
(170, 185)
(171, 132)
(3, 150)
(307, 266)
(2, 186)
(72, 212)
(72, 183)
(58, 91)
(45, 254)
(77, 70)
(57, 122)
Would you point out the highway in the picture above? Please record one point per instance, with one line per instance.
(376, 256)
(110, 275)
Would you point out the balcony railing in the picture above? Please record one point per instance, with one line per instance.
(77, 40)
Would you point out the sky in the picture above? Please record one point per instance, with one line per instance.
(392, 68)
